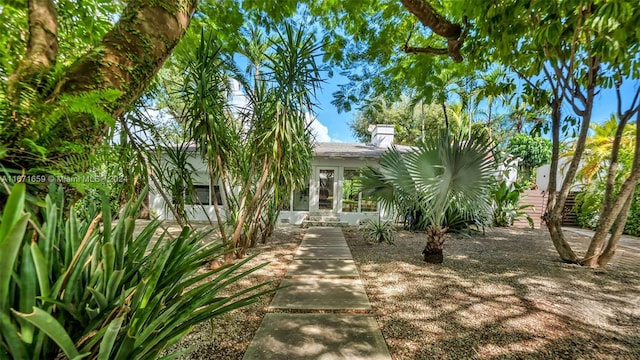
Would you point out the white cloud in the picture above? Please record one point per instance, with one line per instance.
(239, 101)
(319, 130)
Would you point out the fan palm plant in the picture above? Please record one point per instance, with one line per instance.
(439, 172)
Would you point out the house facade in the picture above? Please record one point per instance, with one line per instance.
(331, 194)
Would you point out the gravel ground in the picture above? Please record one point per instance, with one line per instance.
(503, 295)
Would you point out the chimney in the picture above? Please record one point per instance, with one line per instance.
(381, 135)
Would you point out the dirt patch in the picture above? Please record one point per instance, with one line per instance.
(500, 295)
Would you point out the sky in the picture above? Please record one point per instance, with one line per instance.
(327, 125)
(330, 125)
(606, 102)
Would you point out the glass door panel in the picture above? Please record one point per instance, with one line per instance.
(326, 189)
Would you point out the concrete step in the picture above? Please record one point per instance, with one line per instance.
(314, 223)
(294, 336)
(325, 218)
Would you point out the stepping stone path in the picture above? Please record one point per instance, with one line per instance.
(321, 310)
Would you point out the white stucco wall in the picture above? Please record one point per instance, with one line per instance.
(158, 207)
(199, 212)
(543, 172)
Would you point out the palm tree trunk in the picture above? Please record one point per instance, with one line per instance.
(216, 206)
(245, 210)
(435, 241)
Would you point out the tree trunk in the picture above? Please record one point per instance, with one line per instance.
(563, 248)
(556, 116)
(446, 118)
(551, 218)
(126, 59)
(42, 44)
(435, 241)
(243, 212)
(430, 18)
(613, 166)
(613, 212)
(586, 98)
(616, 233)
(216, 206)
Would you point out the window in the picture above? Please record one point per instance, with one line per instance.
(202, 195)
(352, 200)
(301, 199)
(286, 204)
(368, 204)
(325, 189)
(350, 194)
(218, 193)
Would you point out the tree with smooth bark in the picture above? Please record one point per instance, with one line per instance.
(36, 117)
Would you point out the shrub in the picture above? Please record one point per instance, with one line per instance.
(378, 231)
(534, 152)
(456, 219)
(506, 206)
(587, 208)
(589, 204)
(92, 289)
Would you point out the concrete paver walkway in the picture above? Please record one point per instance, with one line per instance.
(627, 242)
(322, 277)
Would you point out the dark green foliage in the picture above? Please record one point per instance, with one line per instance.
(534, 151)
(589, 205)
(411, 119)
(450, 171)
(632, 227)
(456, 219)
(91, 288)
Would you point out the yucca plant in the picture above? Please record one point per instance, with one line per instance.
(91, 289)
(377, 230)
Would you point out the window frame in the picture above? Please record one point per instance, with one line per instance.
(356, 171)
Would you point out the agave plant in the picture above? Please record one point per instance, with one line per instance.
(439, 172)
(377, 230)
(90, 289)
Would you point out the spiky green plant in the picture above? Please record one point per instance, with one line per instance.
(441, 171)
(378, 230)
(93, 289)
(264, 149)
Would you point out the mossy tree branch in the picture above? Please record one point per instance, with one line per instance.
(126, 59)
(42, 45)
